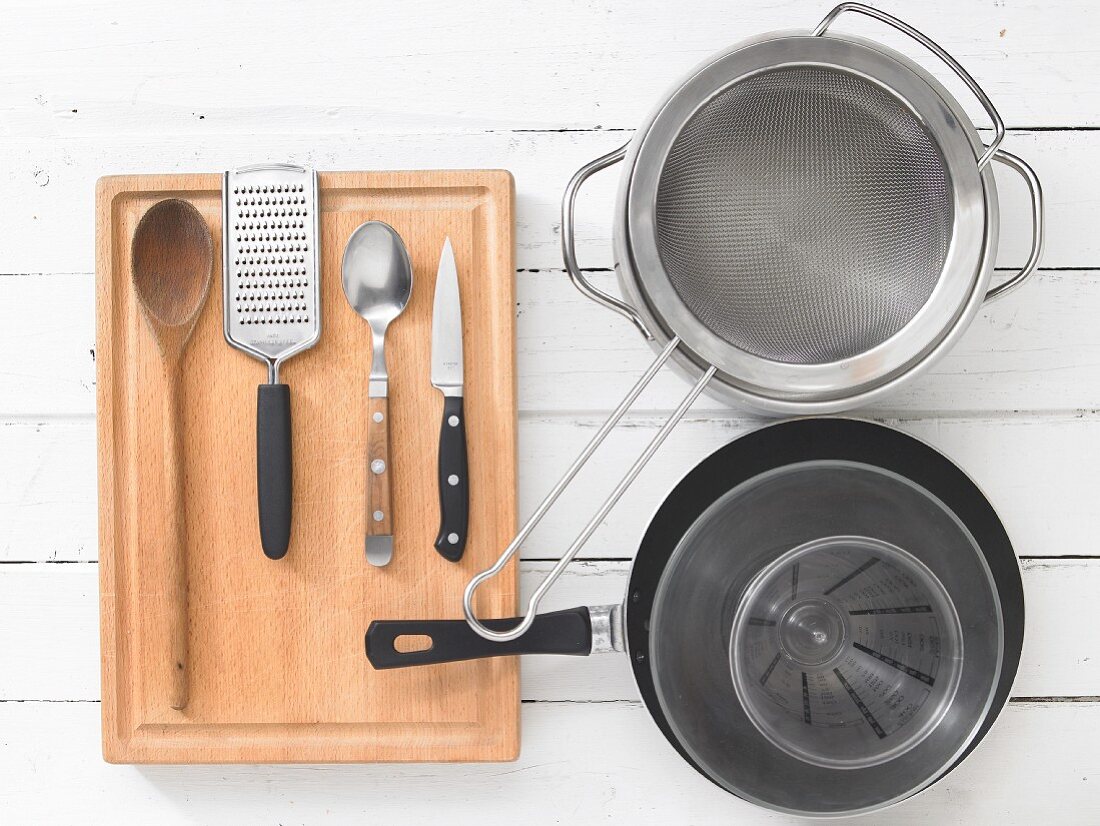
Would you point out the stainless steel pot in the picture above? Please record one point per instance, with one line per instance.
(812, 214)
(824, 617)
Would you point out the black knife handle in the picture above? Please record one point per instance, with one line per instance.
(454, 481)
(273, 467)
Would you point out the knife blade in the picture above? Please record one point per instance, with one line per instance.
(454, 491)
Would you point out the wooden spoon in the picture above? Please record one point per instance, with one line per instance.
(172, 262)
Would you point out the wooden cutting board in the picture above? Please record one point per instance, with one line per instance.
(277, 662)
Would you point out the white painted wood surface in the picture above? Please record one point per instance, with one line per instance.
(93, 88)
(49, 626)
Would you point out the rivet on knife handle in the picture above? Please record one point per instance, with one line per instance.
(454, 489)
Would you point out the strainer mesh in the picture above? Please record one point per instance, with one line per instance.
(804, 215)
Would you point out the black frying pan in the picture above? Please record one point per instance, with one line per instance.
(794, 443)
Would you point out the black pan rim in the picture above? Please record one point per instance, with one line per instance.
(809, 439)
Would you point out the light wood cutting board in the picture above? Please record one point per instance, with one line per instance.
(278, 669)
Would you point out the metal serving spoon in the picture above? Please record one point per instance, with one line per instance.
(377, 277)
(172, 264)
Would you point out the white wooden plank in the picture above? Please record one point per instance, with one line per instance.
(47, 366)
(48, 492)
(580, 762)
(48, 184)
(50, 470)
(1036, 350)
(1040, 472)
(49, 626)
(76, 68)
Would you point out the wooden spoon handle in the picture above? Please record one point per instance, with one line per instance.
(175, 540)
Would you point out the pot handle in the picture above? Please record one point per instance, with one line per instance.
(561, 632)
(568, 244)
(1038, 225)
(938, 51)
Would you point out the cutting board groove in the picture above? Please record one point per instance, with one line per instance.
(278, 671)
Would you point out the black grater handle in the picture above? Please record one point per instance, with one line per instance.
(273, 467)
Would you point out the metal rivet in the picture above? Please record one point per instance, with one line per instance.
(452, 538)
(453, 421)
(452, 480)
(378, 416)
(377, 466)
(379, 516)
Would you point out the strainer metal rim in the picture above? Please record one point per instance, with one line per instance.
(799, 388)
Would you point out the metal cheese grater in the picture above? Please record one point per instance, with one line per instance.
(272, 311)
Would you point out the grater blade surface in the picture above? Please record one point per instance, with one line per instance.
(271, 273)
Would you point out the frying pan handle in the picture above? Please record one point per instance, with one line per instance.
(1038, 223)
(450, 641)
(568, 245)
(938, 51)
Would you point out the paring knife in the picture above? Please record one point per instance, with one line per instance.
(454, 489)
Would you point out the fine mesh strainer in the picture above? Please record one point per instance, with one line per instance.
(812, 215)
(796, 244)
(804, 223)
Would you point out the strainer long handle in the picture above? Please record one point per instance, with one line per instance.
(938, 51)
(533, 603)
(568, 242)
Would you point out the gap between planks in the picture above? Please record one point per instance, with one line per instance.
(643, 417)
